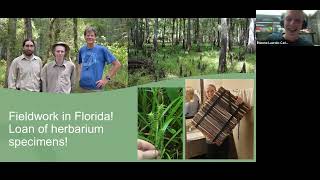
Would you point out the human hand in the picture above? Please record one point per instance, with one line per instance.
(239, 100)
(101, 83)
(146, 150)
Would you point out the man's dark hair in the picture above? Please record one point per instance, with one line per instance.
(28, 39)
(90, 29)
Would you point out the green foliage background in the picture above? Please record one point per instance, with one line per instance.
(111, 32)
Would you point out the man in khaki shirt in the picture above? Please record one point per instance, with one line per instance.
(24, 72)
(58, 76)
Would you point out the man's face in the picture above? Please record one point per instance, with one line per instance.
(293, 23)
(28, 48)
(59, 52)
(90, 37)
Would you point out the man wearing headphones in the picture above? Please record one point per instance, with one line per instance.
(292, 22)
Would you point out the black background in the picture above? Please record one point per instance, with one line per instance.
(282, 73)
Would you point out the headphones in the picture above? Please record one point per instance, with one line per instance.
(304, 24)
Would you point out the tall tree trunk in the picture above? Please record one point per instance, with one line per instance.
(218, 38)
(236, 31)
(57, 30)
(230, 39)
(164, 32)
(136, 32)
(213, 31)
(43, 36)
(252, 40)
(245, 32)
(155, 37)
(75, 36)
(140, 34)
(50, 35)
(177, 32)
(194, 27)
(198, 34)
(12, 33)
(147, 31)
(131, 37)
(222, 59)
(3, 52)
(230, 35)
(172, 32)
(28, 31)
(180, 26)
(28, 28)
(189, 35)
(76, 48)
(184, 34)
(240, 34)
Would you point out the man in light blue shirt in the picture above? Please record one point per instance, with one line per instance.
(92, 60)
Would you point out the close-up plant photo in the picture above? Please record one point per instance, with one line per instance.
(160, 120)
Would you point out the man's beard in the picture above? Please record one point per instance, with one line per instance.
(27, 52)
